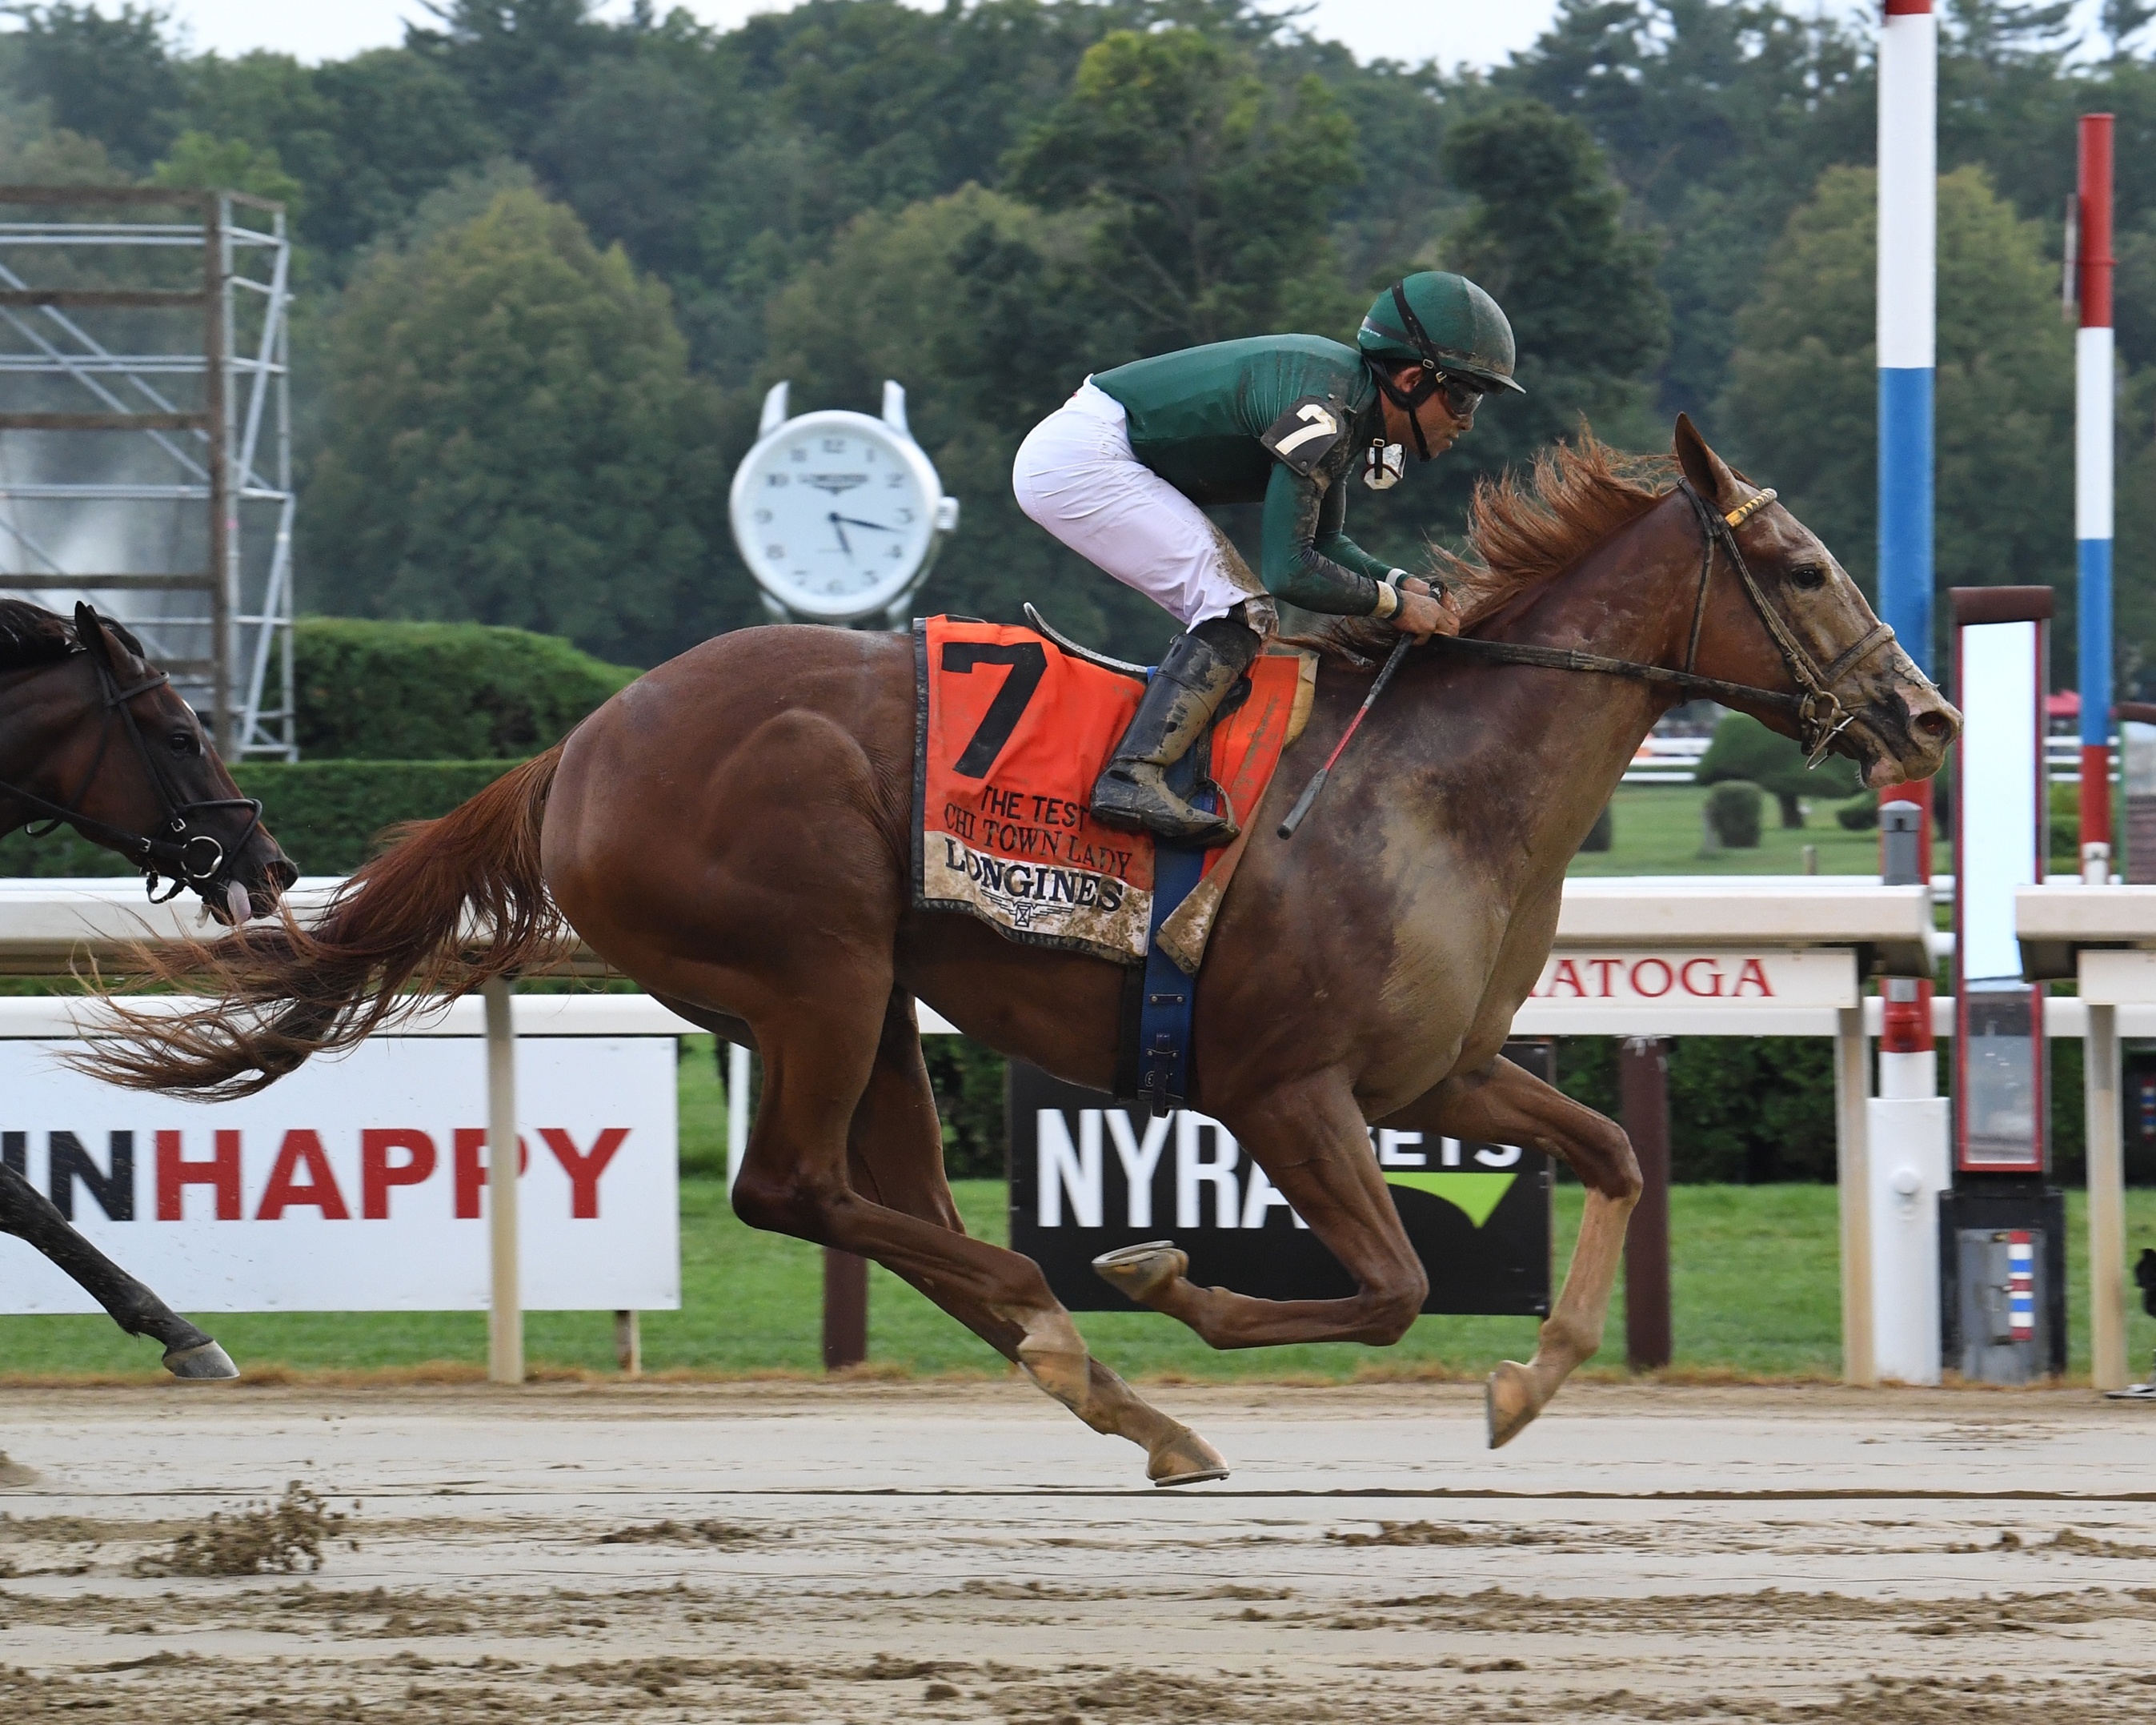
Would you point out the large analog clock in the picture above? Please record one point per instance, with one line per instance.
(838, 514)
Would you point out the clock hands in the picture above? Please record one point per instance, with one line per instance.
(840, 523)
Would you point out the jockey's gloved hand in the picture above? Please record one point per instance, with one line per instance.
(1422, 611)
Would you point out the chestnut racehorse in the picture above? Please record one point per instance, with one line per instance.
(731, 831)
(91, 735)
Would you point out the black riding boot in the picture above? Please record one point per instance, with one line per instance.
(1193, 678)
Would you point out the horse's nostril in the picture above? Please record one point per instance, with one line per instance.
(1933, 724)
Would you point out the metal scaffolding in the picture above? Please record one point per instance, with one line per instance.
(146, 448)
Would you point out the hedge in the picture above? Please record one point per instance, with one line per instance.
(326, 813)
(439, 691)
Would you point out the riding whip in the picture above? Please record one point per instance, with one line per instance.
(1317, 780)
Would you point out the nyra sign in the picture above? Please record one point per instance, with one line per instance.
(1088, 1175)
(357, 1184)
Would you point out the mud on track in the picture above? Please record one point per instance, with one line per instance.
(884, 1552)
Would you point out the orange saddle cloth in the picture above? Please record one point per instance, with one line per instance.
(1012, 732)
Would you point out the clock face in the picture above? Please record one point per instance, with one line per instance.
(835, 514)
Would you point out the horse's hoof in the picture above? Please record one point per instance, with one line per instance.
(1510, 1402)
(206, 1360)
(1184, 1460)
(1138, 1272)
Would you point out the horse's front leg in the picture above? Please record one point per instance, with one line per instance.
(29, 1216)
(1506, 1104)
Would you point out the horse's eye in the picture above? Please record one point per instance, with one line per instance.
(1808, 578)
(183, 742)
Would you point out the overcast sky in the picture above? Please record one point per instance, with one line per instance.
(1480, 32)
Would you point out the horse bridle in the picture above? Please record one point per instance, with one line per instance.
(177, 852)
(1816, 711)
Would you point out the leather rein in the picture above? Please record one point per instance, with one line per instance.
(1816, 711)
(175, 853)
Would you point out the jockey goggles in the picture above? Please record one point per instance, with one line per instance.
(1462, 396)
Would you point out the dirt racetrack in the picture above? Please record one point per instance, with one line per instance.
(903, 1552)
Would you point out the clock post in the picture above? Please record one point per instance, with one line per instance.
(838, 516)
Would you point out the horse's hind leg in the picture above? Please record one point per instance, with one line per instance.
(1310, 1138)
(892, 1205)
(1506, 1104)
(29, 1216)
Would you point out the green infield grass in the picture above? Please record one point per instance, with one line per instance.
(1755, 1292)
(1657, 830)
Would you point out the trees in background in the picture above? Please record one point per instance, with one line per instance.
(518, 440)
(1646, 187)
(1803, 386)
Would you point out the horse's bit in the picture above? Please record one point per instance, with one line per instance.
(177, 852)
(1818, 713)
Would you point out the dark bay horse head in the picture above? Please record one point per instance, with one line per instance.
(92, 734)
(1792, 619)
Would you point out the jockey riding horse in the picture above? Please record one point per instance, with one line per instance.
(1120, 471)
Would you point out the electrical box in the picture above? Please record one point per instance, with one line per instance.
(2003, 1269)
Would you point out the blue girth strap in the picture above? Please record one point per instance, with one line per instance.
(1165, 1006)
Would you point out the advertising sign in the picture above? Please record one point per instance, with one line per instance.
(1089, 1174)
(357, 1184)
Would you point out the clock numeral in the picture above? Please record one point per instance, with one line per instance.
(762, 517)
(906, 514)
(797, 454)
(894, 482)
(833, 445)
(896, 552)
(777, 479)
(774, 551)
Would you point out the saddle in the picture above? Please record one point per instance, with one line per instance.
(1014, 726)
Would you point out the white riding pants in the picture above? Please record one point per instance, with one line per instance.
(1075, 475)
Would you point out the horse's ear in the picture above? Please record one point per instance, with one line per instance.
(90, 631)
(1710, 475)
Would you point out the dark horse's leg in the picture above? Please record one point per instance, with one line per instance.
(891, 1202)
(1311, 1141)
(28, 1214)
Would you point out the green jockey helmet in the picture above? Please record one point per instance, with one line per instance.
(1446, 323)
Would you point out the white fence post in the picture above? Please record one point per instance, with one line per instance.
(1852, 1094)
(505, 1326)
(2107, 1202)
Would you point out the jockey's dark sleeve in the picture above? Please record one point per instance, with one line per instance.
(1307, 557)
(1199, 418)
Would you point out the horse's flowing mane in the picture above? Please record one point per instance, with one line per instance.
(31, 635)
(1522, 531)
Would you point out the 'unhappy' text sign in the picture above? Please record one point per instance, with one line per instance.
(357, 1184)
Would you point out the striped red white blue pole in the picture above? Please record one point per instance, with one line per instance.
(2092, 491)
(1907, 344)
(1908, 200)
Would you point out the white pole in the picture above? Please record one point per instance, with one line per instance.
(505, 1328)
(1852, 1090)
(737, 1111)
(2107, 1202)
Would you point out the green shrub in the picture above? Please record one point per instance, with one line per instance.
(1732, 810)
(1743, 748)
(326, 813)
(439, 691)
(1859, 815)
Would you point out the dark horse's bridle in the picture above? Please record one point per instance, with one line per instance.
(1817, 712)
(179, 851)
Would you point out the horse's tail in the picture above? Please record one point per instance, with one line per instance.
(453, 903)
